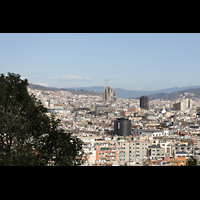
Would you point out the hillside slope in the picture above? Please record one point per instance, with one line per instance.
(190, 93)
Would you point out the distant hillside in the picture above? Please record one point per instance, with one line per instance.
(78, 92)
(169, 93)
(98, 89)
(39, 87)
(190, 93)
(122, 93)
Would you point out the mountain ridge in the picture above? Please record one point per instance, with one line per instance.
(168, 93)
(123, 93)
(189, 93)
(78, 92)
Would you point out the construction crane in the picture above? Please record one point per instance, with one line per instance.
(108, 80)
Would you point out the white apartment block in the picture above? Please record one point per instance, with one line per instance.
(132, 152)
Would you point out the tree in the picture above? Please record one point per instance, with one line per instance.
(27, 135)
(192, 162)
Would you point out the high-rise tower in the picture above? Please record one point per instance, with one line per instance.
(122, 126)
(144, 102)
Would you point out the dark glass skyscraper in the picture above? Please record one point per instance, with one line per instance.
(122, 126)
(144, 102)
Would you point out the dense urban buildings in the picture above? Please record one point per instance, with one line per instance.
(183, 105)
(128, 132)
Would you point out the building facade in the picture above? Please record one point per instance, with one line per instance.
(102, 108)
(156, 152)
(144, 102)
(109, 95)
(122, 126)
(183, 105)
(132, 152)
(106, 153)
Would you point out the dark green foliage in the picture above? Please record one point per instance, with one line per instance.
(27, 135)
(192, 162)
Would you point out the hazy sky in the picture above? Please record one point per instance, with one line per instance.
(142, 61)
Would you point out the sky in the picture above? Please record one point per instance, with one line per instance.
(134, 61)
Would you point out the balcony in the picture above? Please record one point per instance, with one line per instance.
(111, 154)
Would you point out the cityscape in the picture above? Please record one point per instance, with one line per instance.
(118, 99)
(128, 132)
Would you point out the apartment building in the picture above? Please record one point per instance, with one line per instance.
(196, 143)
(89, 147)
(166, 145)
(183, 149)
(156, 152)
(183, 105)
(151, 132)
(132, 152)
(106, 153)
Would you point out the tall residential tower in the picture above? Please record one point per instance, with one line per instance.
(144, 102)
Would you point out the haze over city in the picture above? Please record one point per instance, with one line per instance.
(136, 61)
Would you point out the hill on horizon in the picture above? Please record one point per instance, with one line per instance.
(123, 93)
(78, 92)
(189, 93)
(169, 93)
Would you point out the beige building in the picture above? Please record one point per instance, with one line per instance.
(132, 152)
(183, 105)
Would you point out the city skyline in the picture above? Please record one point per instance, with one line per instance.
(136, 61)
